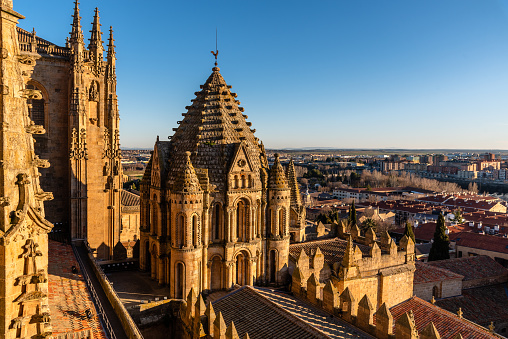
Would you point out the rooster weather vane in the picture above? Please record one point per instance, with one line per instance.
(216, 52)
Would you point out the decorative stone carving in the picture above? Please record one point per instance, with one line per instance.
(27, 59)
(5, 201)
(31, 94)
(34, 129)
(106, 169)
(79, 150)
(44, 196)
(93, 92)
(19, 321)
(41, 163)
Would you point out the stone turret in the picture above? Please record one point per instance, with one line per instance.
(23, 227)
(278, 219)
(298, 212)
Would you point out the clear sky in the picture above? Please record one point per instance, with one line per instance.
(338, 73)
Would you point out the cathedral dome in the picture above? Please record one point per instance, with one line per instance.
(212, 130)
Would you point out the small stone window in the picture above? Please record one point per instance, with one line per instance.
(36, 108)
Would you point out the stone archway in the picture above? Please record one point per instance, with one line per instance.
(216, 273)
(242, 268)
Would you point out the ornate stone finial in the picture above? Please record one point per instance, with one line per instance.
(111, 43)
(277, 176)
(187, 180)
(96, 36)
(76, 33)
(492, 327)
(348, 259)
(459, 312)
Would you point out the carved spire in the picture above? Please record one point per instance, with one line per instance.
(111, 45)
(111, 56)
(293, 185)
(96, 45)
(348, 259)
(277, 177)
(77, 32)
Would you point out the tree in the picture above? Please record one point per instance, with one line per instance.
(368, 223)
(352, 215)
(408, 231)
(441, 245)
(472, 187)
(457, 216)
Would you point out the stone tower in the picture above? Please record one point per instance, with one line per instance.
(79, 110)
(211, 213)
(24, 310)
(298, 211)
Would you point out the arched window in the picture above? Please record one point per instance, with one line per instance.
(216, 224)
(36, 107)
(181, 231)
(180, 281)
(196, 230)
(242, 220)
(282, 218)
(154, 214)
(273, 266)
(236, 181)
(243, 181)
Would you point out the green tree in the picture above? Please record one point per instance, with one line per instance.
(324, 218)
(408, 231)
(457, 216)
(368, 223)
(441, 245)
(352, 215)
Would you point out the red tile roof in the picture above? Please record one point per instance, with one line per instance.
(472, 268)
(426, 273)
(264, 313)
(481, 241)
(447, 324)
(332, 249)
(481, 305)
(68, 295)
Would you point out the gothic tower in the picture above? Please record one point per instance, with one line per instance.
(24, 310)
(206, 198)
(78, 108)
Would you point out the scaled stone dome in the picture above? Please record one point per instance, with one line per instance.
(212, 130)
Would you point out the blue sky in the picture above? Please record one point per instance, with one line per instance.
(344, 74)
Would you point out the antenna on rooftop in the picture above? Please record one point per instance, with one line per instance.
(216, 50)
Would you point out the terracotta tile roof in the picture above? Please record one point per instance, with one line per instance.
(332, 249)
(68, 295)
(447, 324)
(472, 268)
(129, 199)
(481, 241)
(264, 313)
(425, 232)
(426, 273)
(481, 305)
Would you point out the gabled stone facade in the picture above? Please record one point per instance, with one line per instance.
(71, 93)
(213, 213)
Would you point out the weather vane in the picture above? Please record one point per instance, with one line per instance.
(216, 50)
